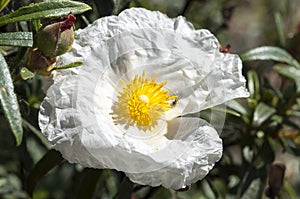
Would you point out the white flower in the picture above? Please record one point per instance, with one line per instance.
(121, 110)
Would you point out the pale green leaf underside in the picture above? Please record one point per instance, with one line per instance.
(9, 102)
(270, 53)
(48, 9)
(24, 39)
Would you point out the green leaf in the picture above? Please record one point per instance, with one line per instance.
(26, 74)
(231, 112)
(290, 72)
(111, 7)
(3, 52)
(253, 85)
(270, 53)
(261, 113)
(48, 162)
(24, 39)
(88, 183)
(104, 7)
(241, 110)
(125, 189)
(3, 4)
(37, 133)
(279, 27)
(47, 9)
(71, 65)
(234, 105)
(36, 24)
(208, 189)
(255, 190)
(289, 189)
(9, 101)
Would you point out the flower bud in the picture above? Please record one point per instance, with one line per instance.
(226, 49)
(38, 63)
(276, 174)
(57, 38)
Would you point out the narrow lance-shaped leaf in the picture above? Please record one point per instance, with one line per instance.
(255, 189)
(233, 104)
(270, 53)
(24, 39)
(279, 27)
(262, 113)
(51, 159)
(3, 52)
(253, 85)
(244, 113)
(48, 9)
(125, 189)
(71, 65)
(88, 183)
(104, 7)
(3, 4)
(290, 72)
(9, 102)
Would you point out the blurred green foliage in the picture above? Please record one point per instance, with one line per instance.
(259, 131)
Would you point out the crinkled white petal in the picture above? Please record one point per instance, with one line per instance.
(195, 160)
(201, 76)
(76, 114)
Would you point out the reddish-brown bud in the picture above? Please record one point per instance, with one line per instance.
(38, 63)
(276, 174)
(57, 38)
(226, 49)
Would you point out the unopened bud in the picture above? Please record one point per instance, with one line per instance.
(276, 174)
(226, 49)
(38, 63)
(57, 38)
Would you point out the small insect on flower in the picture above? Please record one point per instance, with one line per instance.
(174, 102)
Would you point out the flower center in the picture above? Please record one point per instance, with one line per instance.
(142, 102)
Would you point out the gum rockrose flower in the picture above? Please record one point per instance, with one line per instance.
(129, 106)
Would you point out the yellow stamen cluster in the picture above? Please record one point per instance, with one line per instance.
(141, 102)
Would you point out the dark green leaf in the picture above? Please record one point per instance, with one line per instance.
(109, 7)
(208, 189)
(88, 183)
(104, 7)
(37, 133)
(253, 85)
(255, 190)
(121, 5)
(279, 27)
(250, 175)
(262, 113)
(290, 72)
(48, 162)
(47, 9)
(125, 189)
(9, 101)
(270, 53)
(16, 39)
(3, 4)
(266, 154)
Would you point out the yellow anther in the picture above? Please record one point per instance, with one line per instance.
(142, 102)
